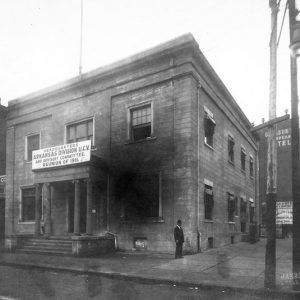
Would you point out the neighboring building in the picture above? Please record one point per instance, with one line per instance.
(168, 142)
(2, 169)
(284, 174)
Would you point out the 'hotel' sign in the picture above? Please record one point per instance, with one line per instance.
(62, 155)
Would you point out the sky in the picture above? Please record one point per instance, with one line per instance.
(40, 42)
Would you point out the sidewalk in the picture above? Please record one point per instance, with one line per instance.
(239, 266)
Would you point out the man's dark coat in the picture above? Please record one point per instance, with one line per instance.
(178, 235)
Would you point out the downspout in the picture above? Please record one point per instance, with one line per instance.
(13, 184)
(173, 160)
(198, 171)
(109, 171)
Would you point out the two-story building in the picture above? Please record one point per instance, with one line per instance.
(129, 148)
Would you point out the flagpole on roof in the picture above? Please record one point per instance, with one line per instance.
(81, 25)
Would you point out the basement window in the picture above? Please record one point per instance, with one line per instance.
(231, 149)
(208, 202)
(209, 127)
(141, 122)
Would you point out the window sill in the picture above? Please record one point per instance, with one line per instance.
(230, 222)
(208, 221)
(209, 146)
(26, 222)
(129, 142)
(147, 220)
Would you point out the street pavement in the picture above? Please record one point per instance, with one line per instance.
(237, 267)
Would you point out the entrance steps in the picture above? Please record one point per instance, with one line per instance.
(55, 246)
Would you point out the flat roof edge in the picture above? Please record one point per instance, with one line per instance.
(169, 45)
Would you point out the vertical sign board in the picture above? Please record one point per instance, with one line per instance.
(284, 212)
(62, 155)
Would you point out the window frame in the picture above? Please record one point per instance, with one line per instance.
(243, 158)
(251, 166)
(231, 216)
(21, 212)
(26, 156)
(77, 122)
(132, 108)
(210, 213)
(230, 156)
(209, 117)
(159, 217)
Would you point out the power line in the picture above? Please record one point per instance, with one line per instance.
(286, 6)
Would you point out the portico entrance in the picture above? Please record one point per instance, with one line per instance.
(65, 208)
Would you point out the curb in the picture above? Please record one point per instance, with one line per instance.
(148, 280)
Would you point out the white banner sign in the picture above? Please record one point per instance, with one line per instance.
(62, 155)
(284, 212)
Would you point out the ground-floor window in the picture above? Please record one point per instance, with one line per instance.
(27, 207)
(231, 207)
(243, 227)
(208, 202)
(251, 213)
(140, 195)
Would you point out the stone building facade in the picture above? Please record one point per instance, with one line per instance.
(2, 169)
(168, 142)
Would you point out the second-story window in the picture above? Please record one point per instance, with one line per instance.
(80, 131)
(141, 122)
(32, 143)
(251, 166)
(230, 149)
(243, 159)
(209, 127)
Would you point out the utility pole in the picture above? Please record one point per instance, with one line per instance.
(295, 46)
(270, 257)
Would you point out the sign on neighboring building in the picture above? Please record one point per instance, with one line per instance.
(62, 155)
(283, 137)
(284, 212)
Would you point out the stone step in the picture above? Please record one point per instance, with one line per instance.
(48, 252)
(48, 247)
(53, 243)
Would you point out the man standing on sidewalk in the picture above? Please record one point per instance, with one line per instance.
(179, 239)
